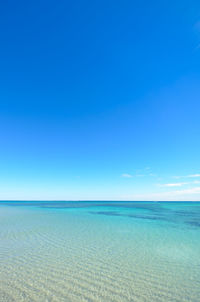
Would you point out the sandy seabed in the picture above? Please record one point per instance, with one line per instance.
(98, 252)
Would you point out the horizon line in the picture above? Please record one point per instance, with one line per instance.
(99, 200)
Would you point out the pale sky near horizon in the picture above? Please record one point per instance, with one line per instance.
(100, 100)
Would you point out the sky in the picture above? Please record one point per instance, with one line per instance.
(100, 100)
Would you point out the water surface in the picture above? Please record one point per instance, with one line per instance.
(99, 251)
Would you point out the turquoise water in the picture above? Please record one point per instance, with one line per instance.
(99, 251)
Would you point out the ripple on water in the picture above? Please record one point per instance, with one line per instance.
(55, 256)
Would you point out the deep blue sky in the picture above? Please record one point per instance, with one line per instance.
(100, 100)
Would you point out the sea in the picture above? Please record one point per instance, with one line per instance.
(104, 251)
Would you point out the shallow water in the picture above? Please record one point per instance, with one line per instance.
(99, 251)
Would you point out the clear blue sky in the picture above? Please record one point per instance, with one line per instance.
(100, 100)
